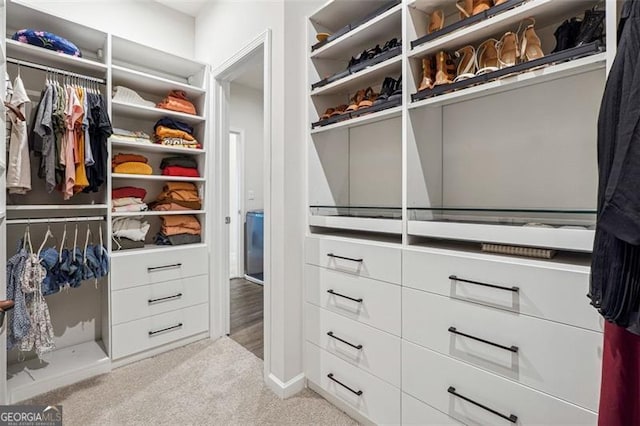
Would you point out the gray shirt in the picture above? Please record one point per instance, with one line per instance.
(43, 126)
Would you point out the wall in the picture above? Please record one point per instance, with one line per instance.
(142, 21)
(247, 115)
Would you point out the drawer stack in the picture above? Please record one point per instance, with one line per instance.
(353, 324)
(498, 340)
(158, 298)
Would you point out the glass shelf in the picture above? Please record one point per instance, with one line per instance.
(365, 212)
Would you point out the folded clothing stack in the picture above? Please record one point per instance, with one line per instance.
(128, 199)
(170, 132)
(129, 96)
(177, 100)
(178, 230)
(181, 165)
(130, 136)
(133, 164)
(177, 196)
(129, 233)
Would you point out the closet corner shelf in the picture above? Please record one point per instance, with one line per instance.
(545, 11)
(385, 114)
(153, 147)
(26, 52)
(152, 114)
(157, 178)
(529, 78)
(65, 366)
(387, 24)
(151, 248)
(354, 81)
(150, 83)
(157, 213)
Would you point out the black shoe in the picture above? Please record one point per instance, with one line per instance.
(567, 35)
(397, 92)
(388, 87)
(592, 27)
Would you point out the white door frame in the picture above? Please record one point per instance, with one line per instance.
(222, 77)
(241, 204)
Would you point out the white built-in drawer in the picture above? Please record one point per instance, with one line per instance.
(367, 348)
(416, 412)
(371, 302)
(137, 336)
(432, 377)
(371, 260)
(549, 290)
(558, 359)
(153, 299)
(158, 266)
(373, 398)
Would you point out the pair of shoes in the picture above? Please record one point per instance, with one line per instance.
(470, 8)
(374, 51)
(363, 98)
(390, 91)
(437, 70)
(577, 32)
(332, 112)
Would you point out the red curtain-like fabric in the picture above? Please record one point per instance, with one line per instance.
(620, 392)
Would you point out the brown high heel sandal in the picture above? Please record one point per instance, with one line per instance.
(469, 8)
(436, 21)
(327, 113)
(531, 46)
(468, 63)
(369, 98)
(445, 69)
(487, 55)
(508, 52)
(355, 100)
(427, 74)
(339, 110)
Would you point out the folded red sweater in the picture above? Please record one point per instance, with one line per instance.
(180, 171)
(128, 191)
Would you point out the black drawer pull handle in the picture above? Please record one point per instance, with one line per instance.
(345, 258)
(511, 417)
(175, 327)
(343, 296)
(330, 376)
(163, 299)
(513, 289)
(513, 349)
(330, 334)
(158, 268)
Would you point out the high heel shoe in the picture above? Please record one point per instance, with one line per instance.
(508, 53)
(356, 99)
(487, 55)
(467, 65)
(445, 69)
(531, 46)
(436, 21)
(427, 74)
(469, 8)
(592, 27)
(567, 35)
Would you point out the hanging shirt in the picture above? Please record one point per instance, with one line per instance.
(88, 154)
(19, 165)
(81, 173)
(72, 113)
(100, 131)
(43, 127)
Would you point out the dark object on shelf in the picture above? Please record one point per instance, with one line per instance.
(359, 66)
(564, 56)
(537, 253)
(468, 21)
(592, 27)
(567, 35)
(352, 26)
(254, 245)
(342, 117)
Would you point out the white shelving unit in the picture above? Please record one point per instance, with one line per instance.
(157, 213)
(148, 113)
(156, 178)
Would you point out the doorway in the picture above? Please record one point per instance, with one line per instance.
(236, 204)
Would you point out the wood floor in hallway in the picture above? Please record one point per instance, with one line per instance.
(247, 302)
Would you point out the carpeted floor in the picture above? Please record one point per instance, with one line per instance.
(205, 383)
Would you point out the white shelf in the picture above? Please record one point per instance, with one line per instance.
(386, 226)
(151, 248)
(154, 147)
(35, 207)
(377, 73)
(157, 213)
(157, 178)
(27, 52)
(64, 366)
(361, 121)
(562, 239)
(388, 24)
(151, 113)
(150, 83)
(546, 12)
(552, 72)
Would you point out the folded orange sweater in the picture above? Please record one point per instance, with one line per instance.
(177, 100)
(133, 168)
(177, 230)
(184, 221)
(128, 158)
(163, 132)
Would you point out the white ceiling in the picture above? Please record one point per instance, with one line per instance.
(189, 7)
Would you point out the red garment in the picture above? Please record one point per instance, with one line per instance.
(180, 171)
(620, 392)
(128, 191)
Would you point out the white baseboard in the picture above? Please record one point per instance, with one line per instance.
(288, 389)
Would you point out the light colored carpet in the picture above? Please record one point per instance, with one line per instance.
(205, 383)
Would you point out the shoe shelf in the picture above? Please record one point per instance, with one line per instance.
(153, 147)
(510, 82)
(152, 114)
(360, 118)
(546, 12)
(367, 219)
(387, 24)
(149, 83)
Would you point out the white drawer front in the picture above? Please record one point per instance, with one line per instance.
(375, 351)
(380, 302)
(154, 267)
(378, 400)
(430, 376)
(415, 412)
(365, 260)
(558, 359)
(144, 301)
(556, 292)
(147, 333)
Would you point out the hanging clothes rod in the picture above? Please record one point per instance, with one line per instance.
(55, 70)
(56, 220)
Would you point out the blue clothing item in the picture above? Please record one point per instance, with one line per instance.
(49, 259)
(48, 41)
(19, 321)
(103, 258)
(173, 124)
